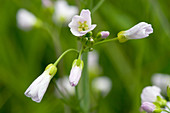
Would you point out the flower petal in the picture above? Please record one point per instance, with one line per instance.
(75, 75)
(86, 14)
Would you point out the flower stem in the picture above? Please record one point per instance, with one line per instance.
(168, 107)
(81, 51)
(97, 6)
(109, 40)
(61, 56)
(85, 85)
(166, 111)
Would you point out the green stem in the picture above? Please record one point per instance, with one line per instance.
(109, 40)
(98, 5)
(165, 111)
(81, 51)
(167, 107)
(54, 38)
(61, 56)
(85, 85)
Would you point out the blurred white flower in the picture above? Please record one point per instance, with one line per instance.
(63, 11)
(65, 87)
(39, 86)
(47, 3)
(75, 72)
(161, 80)
(104, 34)
(80, 25)
(93, 62)
(138, 31)
(102, 84)
(150, 93)
(148, 107)
(25, 19)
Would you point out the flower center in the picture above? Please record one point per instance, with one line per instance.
(83, 26)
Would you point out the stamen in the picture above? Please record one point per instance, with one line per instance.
(83, 26)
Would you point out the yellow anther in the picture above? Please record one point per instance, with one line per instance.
(83, 26)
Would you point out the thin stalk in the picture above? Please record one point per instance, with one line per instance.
(61, 56)
(165, 111)
(168, 107)
(98, 5)
(109, 40)
(85, 85)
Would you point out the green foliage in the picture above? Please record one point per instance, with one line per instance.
(130, 65)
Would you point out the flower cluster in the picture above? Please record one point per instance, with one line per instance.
(81, 26)
(152, 100)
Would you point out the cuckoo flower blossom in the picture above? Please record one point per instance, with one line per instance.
(39, 86)
(138, 31)
(25, 19)
(80, 25)
(150, 93)
(75, 72)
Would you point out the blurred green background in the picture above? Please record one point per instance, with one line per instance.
(130, 65)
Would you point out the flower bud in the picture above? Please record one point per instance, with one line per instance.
(75, 72)
(139, 31)
(39, 86)
(104, 34)
(148, 107)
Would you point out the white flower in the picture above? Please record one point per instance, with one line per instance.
(75, 72)
(138, 31)
(65, 87)
(39, 86)
(25, 19)
(63, 11)
(150, 93)
(148, 107)
(80, 25)
(161, 80)
(93, 62)
(102, 84)
(104, 34)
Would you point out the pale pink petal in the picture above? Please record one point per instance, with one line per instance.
(86, 15)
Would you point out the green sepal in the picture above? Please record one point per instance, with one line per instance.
(89, 34)
(160, 102)
(157, 109)
(98, 35)
(78, 62)
(121, 37)
(52, 69)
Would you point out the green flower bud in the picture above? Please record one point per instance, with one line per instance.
(121, 37)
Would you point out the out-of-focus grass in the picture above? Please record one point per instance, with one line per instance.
(24, 55)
